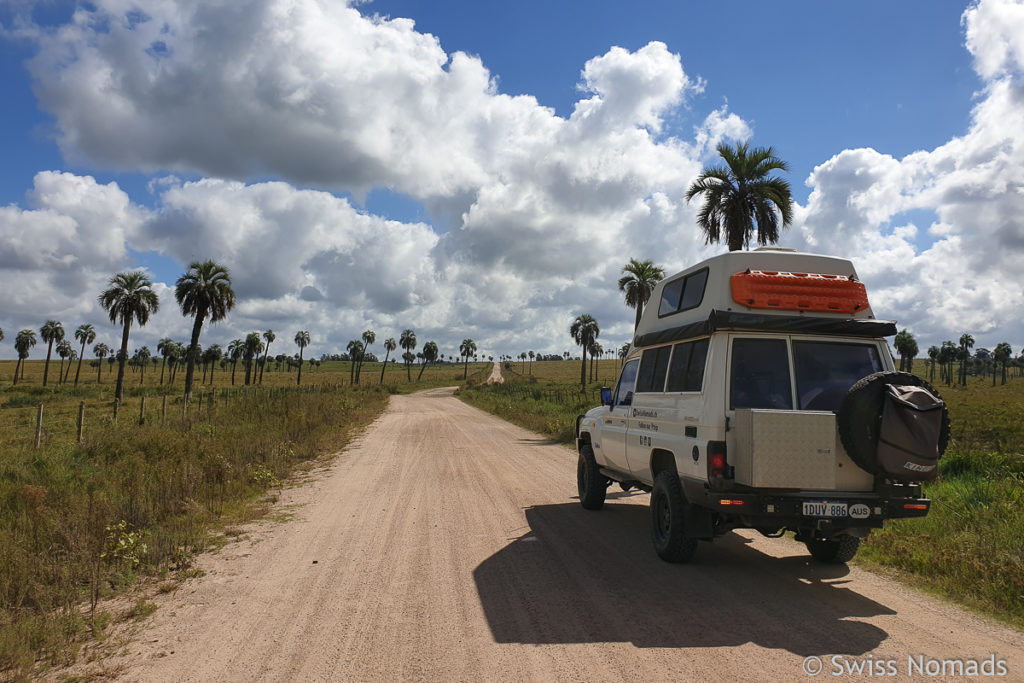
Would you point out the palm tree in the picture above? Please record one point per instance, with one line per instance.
(933, 357)
(369, 337)
(1002, 355)
(87, 335)
(211, 357)
(355, 355)
(165, 347)
(235, 349)
(389, 346)
(252, 347)
(129, 295)
(637, 283)
(584, 331)
(64, 350)
(947, 356)
(23, 343)
(466, 349)
(742, 197)
(532, 356)
(966, 344)
(142, 357)
(52, 331)
(429, 356)
(906, 347)
(269, 336)
(408, 342)
(302, 340)
(204, 289)
(101, 351)
(595, 351)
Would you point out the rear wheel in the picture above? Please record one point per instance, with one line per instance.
(668, 520)
(838, 550)
(591, 484)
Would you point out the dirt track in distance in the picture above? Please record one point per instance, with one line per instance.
(448, 545)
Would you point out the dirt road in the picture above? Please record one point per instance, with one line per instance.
(448, 545)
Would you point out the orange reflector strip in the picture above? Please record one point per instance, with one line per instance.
(915, 506)
(798, 291)
(730, 502)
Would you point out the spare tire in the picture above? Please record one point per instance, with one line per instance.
(860, 417)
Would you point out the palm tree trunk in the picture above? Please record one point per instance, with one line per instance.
(197, 327)
(385, 366)
(422, 368)
(46, 369)
(16, 368)
(60, 371)
(262, 367)
(122, 357)
(583, 368)
(234, 364)
(465, 371)
(298, 381)
(99, 371)
(80, 359)
(639, 314)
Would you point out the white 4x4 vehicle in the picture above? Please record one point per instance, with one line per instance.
(759, 392)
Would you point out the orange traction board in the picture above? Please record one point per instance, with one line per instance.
(799, 291)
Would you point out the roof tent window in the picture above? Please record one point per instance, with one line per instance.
(683, 294)
(653, 366)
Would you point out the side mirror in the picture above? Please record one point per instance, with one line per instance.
(606, 396)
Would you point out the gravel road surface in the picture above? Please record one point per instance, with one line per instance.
(448, 545)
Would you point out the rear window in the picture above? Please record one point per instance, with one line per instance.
(825, 371)
(653, 365)
(760, 374)
(686, 371)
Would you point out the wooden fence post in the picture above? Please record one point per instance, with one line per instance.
(81, 420)
(39, 425)
(163, 409)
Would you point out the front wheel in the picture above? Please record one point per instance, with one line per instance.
(668, 520)
(591, 484)
(838, 550)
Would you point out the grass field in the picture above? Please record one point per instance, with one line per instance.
(82, 521)
(970, 547)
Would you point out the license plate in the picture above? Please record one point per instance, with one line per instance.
(824, 508)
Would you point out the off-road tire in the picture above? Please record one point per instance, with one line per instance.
(838, 550)
(592, 485)
(668, 520)
(860, 417)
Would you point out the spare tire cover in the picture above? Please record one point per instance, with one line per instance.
(859, 419)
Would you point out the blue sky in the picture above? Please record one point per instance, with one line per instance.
(314, 147)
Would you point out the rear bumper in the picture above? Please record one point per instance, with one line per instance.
(777, 509)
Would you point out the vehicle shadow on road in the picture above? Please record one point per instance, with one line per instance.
(580, 576)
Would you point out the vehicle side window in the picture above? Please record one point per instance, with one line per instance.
(624, 389)
(686, 371)
(670, 295)
(653, 366)
(760, 374)
(825, 371)
(683, 293)
(693, 293)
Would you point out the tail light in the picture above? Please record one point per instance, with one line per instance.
(718, 465)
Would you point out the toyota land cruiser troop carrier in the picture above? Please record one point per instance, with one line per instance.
(759, 392)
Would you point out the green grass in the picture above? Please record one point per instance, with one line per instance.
(970, 547)
(81, 522)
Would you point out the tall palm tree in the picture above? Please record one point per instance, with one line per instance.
(64, 350)
(51, 331)
(369, 337)
(235, 349)
(23, 343)
(408, 342)
(637, 283)
(204, 289)
(966, 344)
(906, 347)
(466, 349)
(253, 346)
(1002, 355)
(101, 351)
(269, 337)
(212, 356)
(389, 346)
(165, 347)
(595, 351)
(129, 296)
(87, 335)
(302, 340)
(742, 197)
(584, 331)
(429, 356)
(933, 356)
(355, 355)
